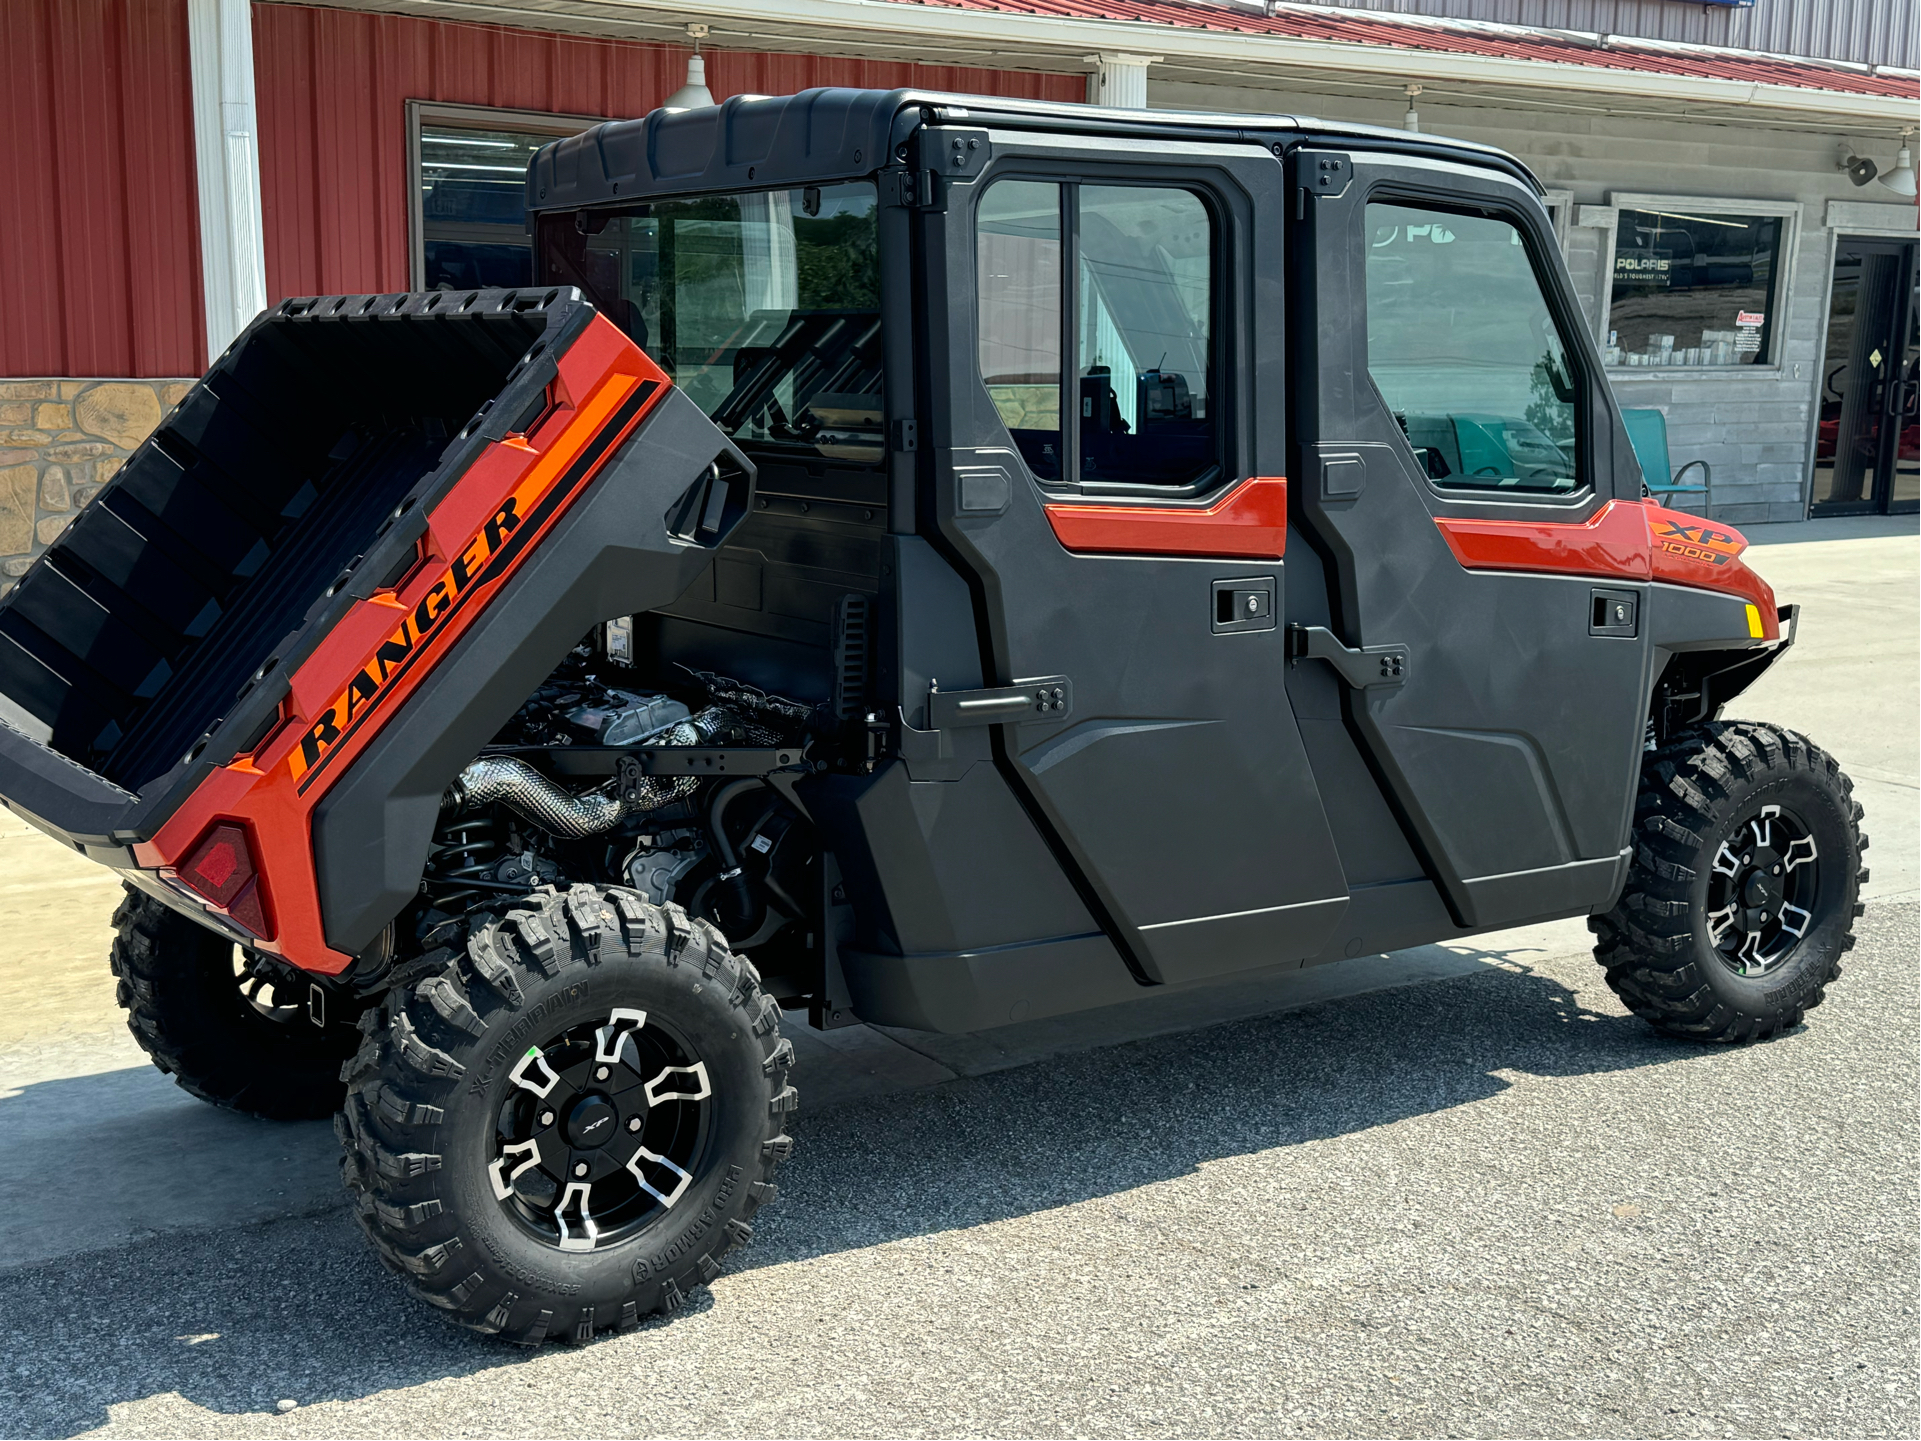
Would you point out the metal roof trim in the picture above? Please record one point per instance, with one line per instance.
(1194, 29)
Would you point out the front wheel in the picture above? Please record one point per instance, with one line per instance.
(1744, 887)
(566, 1128)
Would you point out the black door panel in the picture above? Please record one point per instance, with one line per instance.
(1178, 788)
(1180, 783)
(1509, 749)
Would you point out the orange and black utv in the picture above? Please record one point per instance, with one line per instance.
(913, 558)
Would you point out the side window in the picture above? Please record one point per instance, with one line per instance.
(1144, 321)
(1141, 296)
(1462, 347)
(1017, 267)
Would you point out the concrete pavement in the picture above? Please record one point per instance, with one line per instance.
(1094, 1299)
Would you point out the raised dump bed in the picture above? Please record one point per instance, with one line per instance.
(130, 638)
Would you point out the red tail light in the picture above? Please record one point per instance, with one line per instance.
(220, 871)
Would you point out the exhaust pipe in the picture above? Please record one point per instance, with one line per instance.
(528, 793)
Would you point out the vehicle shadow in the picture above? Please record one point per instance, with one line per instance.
(236, 1318)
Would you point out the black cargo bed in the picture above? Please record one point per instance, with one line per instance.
(136, 633)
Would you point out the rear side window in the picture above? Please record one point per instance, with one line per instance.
(1017, 266)
(1145, 301)
(1123, 278)
(1464, 350)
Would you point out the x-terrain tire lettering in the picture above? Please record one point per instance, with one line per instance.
(567, 1127)
(1744, 888)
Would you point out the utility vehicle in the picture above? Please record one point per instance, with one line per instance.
(909, 558)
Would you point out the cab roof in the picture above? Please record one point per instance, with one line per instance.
(821, 135)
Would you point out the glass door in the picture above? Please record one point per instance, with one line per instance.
(1866, 458)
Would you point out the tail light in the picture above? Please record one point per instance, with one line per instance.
(220, 871)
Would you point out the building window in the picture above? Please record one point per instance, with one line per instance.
(469, 193)
(1695, 286)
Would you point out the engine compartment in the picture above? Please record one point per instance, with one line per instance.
(577, 788)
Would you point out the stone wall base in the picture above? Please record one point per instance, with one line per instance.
(60, 441)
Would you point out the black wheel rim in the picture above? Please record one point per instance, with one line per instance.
(1763, 884)
(266, 987)
(603, 1130)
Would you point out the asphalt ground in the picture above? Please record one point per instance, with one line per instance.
(1492, 1205)
(1455, 1191)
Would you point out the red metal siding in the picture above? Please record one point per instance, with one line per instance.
(100, 249)
(332, 87)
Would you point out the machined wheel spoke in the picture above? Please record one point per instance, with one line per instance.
(698, 1071)
(531, 1061)
(504, 1183)
(1794, 920)
(1753, 962)
(1800, 853)
(577, 1192)
(1726, 862)
(1719, 922)
(647, 1157)
(615, 1040)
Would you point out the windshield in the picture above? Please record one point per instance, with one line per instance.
(763, 306)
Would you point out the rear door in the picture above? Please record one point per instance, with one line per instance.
(1100, 331)
(1457, 462)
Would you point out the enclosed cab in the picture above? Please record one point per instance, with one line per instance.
(909, 558)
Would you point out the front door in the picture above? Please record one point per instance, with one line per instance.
(1102, 321)
(1865, 454)
(1457, 471)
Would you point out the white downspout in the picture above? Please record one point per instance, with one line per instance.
(226, 152)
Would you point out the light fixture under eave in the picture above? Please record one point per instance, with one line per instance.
(1901, 179)
(694, 95)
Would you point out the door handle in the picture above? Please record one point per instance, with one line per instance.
(1046, 698)
(1369, 668)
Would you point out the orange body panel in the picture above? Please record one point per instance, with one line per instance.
(1249, 522)
(354, 683)
(1625, 539)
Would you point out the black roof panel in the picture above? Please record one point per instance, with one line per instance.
(837, 134)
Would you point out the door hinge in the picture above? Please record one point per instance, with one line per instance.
(915, 189)
(1324, 173)
(1369, 667)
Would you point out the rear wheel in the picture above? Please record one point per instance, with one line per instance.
(229, 1025)
(1744, 887)
(566, 1128)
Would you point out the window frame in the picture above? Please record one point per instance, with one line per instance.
(1563, 312)
(556, 125)
(1221, 342)
(1559, 205)
(618, 210)
(1789, 213)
